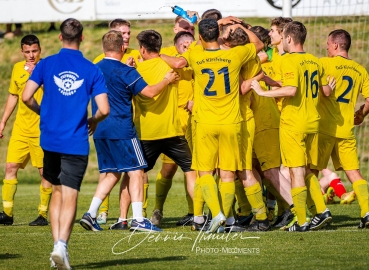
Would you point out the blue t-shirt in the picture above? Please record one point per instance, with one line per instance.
(69, 82)
(123, 82)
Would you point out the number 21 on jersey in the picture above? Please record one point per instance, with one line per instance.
(212, 74)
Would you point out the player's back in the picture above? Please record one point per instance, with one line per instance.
(156, 118)
(338, 109)
(299, 112)
(217, 82)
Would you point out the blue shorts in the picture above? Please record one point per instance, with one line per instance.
(119, 155)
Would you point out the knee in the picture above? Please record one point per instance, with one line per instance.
(11, 170)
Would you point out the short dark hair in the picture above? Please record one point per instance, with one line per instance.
(261, 33)
(112, 41)
(342, 37)
(212, 14)
(236, 37)
(209, 30)
(30, 40)
(118, 22)
(280, 22)
(71, 30)
(150, 40)
(296, 30)
(182, 34)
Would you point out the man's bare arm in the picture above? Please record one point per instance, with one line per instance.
(285, 91)
(10, 105)
(174, 62)
(27, 97)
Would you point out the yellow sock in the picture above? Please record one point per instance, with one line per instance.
(310, 204)
(209, 191)
(163, 186)
(299, 195)
(188, 198)
(255, 197)
(227, 190)
(313, 187)
(45, 196)
(145, 197)
(243, 204)
(361, 191)
(198, 199)
(8, 192)
(282, 204)
(104, 207)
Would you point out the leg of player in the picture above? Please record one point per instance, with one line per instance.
(254, 195)
(104, 207)
(45, 196)
(8, 192)
(103, 188)
(139, 223)
(124, 203)
(360, 187)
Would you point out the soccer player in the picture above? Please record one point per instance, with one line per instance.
(131, 57)
(299, 124)
(217, 114)
(117, 145)
(336, 108)
(69, 81)
(185, 94)
(25, 140)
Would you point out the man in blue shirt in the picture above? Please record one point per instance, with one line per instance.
(69, 82)
(117, 145)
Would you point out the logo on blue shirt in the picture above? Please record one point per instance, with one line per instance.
(67, 82)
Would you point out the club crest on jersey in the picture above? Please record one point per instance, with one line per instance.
(67, 82)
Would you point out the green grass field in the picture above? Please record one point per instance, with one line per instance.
(341, 246)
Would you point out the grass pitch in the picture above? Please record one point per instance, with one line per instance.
(340, 246)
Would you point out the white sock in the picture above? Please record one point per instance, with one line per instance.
(121, 219)
(199, 219)
(62, 243)
(94, 206)
(137, 211)
(230, 221)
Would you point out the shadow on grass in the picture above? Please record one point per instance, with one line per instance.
(9, 256)
(345, 221)
(124, 262)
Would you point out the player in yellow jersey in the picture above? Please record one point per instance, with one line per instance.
(169, 168)
(24, 142)
(299, 124)
(217, 114)
(130, 57)
(336, 109)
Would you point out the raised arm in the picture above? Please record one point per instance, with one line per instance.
(285, 91)
(174, 62)
(259, 45)
(151, 91)
(10, 105)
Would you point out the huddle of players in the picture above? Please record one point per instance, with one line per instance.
(222, 126)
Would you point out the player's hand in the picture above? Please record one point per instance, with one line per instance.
(257, 88)
(359, 116)
(172, 76)
(92, 125)
(331, 82)
(229, 20)
(193, 13)
(139, 58)
(263, 56)
(2, 127)
(189, 106)
(131, 62)
(29, 67)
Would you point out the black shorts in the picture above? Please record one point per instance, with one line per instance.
(175, 148)
(64, 169)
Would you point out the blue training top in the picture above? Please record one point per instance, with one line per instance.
(123, 82)
(69, 81)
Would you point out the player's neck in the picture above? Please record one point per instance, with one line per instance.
(115, 55)
(343, 54)
(149, 56)
(296, 48)
(210, 46)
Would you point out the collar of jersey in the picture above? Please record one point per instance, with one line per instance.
(70, 51)
(212, 50)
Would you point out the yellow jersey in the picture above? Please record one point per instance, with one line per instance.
(186, 81)
(337, 110)
(156, 118)
(265, 109)
(217, 82)
(27, 122)
(299, 113)
(248, 71)
(128, 53)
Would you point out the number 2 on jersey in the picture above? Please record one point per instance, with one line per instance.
(348, 89)
(210, 72)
